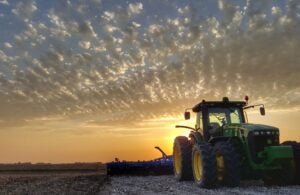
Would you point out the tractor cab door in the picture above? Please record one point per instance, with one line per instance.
(217, 117)
(199, 122)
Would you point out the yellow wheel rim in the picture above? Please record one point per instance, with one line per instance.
(220, 165)
(177, 160)
(197, 166)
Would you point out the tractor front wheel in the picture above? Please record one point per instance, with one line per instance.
(289, 173)
(182, 157)
(282, 177)
(204, 165)
(296, 150)
(228, 164)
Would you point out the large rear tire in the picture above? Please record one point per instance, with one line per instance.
(228, 164)
(204, 165)
(182, 157)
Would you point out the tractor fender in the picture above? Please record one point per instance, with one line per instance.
(197, 136)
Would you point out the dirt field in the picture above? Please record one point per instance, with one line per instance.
(97, 183)
(167, 185)
(52, 183)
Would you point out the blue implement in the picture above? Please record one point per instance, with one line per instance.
(159, 166)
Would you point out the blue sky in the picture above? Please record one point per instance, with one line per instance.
(151, 8)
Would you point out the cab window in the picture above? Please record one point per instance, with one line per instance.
(199, 124)
(226, 115)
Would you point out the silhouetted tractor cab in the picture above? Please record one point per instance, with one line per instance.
(224, 148)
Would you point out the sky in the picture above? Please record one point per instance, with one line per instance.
(86, 81)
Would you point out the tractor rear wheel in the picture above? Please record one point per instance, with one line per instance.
(204, 165)
(296, 149)
(228, 164)
(182, 157)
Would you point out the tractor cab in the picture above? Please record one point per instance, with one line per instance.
(212, 116)
(218, 117)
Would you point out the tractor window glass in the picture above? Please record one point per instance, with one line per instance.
(217, 116)
(222, 116)
(235, 116)
(199, 121)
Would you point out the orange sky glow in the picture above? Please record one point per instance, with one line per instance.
(94, 144)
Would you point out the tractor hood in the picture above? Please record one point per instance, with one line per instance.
(252, 127)
(248, 127)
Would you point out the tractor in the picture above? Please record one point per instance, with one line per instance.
(223, 148)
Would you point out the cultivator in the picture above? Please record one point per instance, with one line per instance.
(159, 166)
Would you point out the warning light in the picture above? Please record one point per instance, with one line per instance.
(246, 99)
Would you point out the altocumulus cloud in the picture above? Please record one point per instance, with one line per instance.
(110, 61)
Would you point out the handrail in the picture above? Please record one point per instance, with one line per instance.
(187, 127)
(252, 106)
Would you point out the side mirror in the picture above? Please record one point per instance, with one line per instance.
(187, 115)
(262, 111)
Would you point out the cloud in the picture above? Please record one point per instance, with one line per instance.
(108, 66)
(4, 2)
(84, 44)
(24, 9)
(7, 45)
(135, 8)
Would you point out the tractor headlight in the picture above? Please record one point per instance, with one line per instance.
(256, 133)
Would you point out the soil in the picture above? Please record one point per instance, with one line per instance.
(52, 183)
(99, 183)
(168, 185)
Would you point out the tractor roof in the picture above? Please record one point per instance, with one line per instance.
(224, 103)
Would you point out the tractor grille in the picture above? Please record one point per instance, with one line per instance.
(258, 140)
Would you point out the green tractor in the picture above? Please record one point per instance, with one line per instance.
(224, 148)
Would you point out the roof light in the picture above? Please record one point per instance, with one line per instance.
(225, 99)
